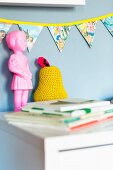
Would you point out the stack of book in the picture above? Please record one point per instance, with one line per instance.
(68, 115)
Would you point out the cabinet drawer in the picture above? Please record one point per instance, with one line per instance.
(93, 158)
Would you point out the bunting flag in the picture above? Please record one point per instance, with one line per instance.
(59, 31)
(88, 31)
(32, 33)
(108, 22)
(60, 35)
(4, 28)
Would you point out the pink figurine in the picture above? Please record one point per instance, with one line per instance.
(18, 65)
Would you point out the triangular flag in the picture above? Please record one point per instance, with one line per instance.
(4, 28)
(60, 35)
(32, 33)
(108, 22)
(88, 31)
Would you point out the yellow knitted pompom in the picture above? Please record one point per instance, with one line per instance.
(50, 85)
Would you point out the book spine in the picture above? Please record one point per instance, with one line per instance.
(89, 120)
(42, 126)
(75, 113)
(86, 111)
(88, 124)
(80, 106)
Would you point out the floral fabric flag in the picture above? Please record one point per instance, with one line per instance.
(32, 33)
(88, 31)
(108, 22)
(60, 35)
(4, 28)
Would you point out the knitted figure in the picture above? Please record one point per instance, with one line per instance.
(18, 65)
(50, 85)
(42, 62)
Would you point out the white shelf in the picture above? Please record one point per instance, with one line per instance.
(54, 3)
(38, 149)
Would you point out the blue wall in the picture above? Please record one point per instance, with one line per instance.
(87, 72)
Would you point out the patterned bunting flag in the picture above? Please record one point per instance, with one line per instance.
(88, 31)
(108, 22)
(4, 28)
(32, 33)
(60, 35)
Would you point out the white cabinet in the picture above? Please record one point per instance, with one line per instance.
(94, 158)
(38, 149)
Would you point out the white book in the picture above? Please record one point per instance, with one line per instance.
(38, 126)
(66, 104)
(62, 127)
(43, 116)
(72, 113)
(56, 122)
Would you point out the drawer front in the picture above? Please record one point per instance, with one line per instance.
(93, 158)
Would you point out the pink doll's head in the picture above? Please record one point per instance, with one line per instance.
(16, 41)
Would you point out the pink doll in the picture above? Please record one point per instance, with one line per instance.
(18, 65)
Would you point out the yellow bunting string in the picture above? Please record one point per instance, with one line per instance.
(55, 24)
